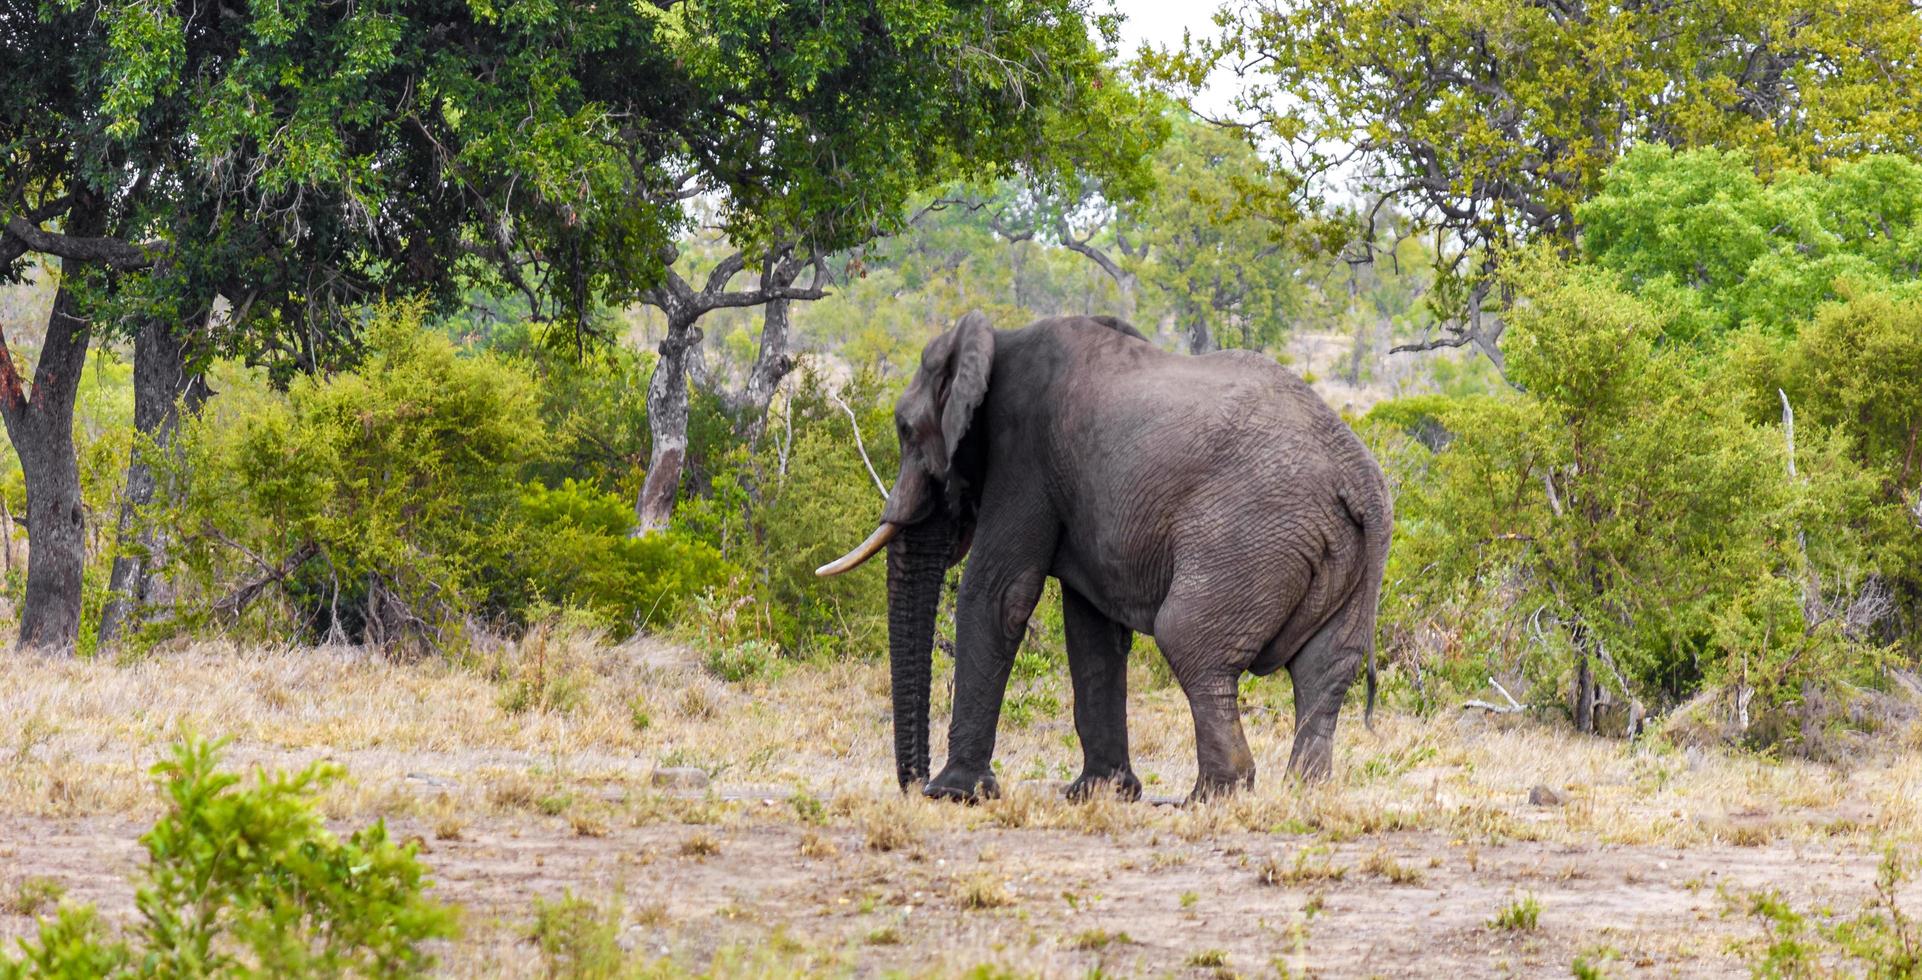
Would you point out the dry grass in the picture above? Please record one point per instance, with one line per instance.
(978, 892)
(435, 739)
(559, 744)
(1311, 866)
(700, 844)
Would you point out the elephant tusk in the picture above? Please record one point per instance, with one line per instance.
(862, 552)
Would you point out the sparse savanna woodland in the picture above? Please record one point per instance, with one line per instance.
(426, 421)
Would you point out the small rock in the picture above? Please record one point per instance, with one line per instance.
(680, 777)
(1542, 795)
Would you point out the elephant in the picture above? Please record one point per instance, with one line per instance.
(1213, 502)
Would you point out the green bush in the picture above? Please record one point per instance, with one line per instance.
(591, 403)
(382, 501)
(799, 499)
(1851, 373)
(248, 880)
(1882, 940)
(1619, 511)
(576, 550)
(578, 939)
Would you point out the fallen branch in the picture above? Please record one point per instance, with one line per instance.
(1512, 707)
(1513, 704)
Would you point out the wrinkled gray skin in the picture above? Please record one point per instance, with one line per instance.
(1213, 502)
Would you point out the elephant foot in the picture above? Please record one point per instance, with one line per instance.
(1120, 783)
(963, 785)
(1218, 787)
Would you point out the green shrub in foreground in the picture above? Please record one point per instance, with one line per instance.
(247, 880)
(1881, 941)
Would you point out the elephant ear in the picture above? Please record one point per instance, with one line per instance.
(970, 361)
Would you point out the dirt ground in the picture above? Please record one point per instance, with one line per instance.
(800, 858)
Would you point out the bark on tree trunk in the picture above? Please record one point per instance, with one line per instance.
(667, 388)
(6, 529)
(1199, 340)
(41, 427)
(1584, 682)
(771, 364)
(667, 424)
(162, 386)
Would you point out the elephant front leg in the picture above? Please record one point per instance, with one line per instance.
(990, 618)
(1098, 667)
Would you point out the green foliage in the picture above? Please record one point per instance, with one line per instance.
(577, 551)
(247, 880)
(1882, 940)
(1521, 915)
(592, 403)
(798, 500)
(31, 896)
(578, 939)
(1849, 373)
(1626, 498)
(392, 503)
(398, 484)
(1495, 119)
(1806, 286)
(1222, 270)
(1701, 231)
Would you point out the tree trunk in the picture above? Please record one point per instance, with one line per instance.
(667, 424)
(41, 427)
(162, 386)
(1360, 352)
(1584, 693)
(771, 365)
(6, 528)
(1200, 341)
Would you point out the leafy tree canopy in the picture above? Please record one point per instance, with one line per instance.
(1491, 120)
(1699, 230)
(339, 152)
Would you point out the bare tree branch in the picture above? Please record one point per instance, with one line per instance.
(859, 446)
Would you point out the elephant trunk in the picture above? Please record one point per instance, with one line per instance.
(917, 562)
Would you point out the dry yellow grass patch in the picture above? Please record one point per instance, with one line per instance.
(551, 729)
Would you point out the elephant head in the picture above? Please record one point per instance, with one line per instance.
(929, 518)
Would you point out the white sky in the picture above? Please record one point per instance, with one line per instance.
(1161, 22)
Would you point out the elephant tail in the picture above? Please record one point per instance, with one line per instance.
(1370, 507)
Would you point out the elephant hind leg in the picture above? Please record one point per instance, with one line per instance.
(1322, 672)
(1211, 631)
(1208, 662)
(1221, 748)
